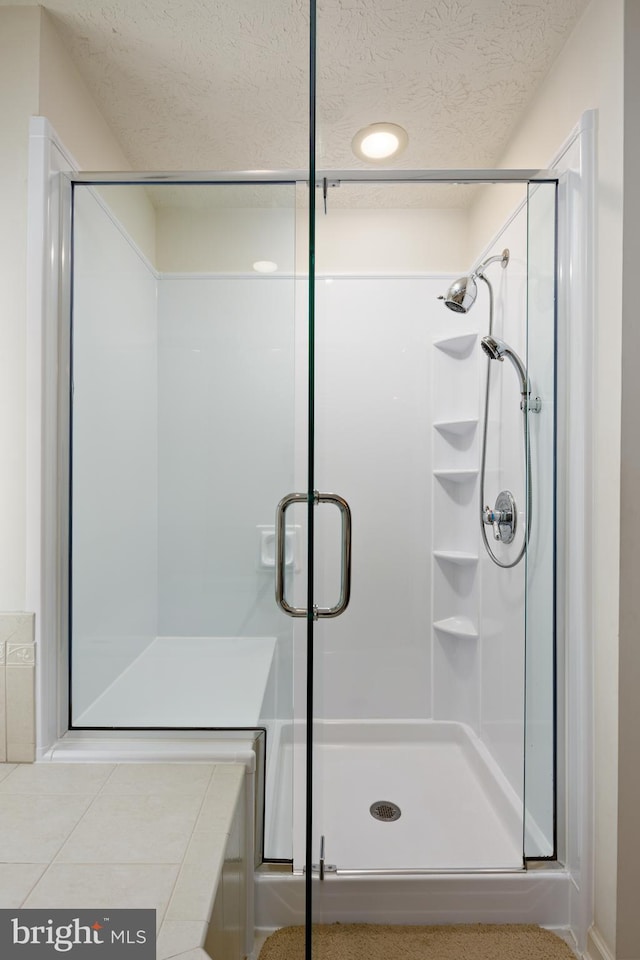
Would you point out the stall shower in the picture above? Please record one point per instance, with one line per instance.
(434, 727)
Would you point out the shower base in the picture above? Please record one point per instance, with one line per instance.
(453, 856)
(457, 810)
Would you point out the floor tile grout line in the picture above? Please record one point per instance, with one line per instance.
(152, 764)
(34, 885)
(54, 862)
(119, 864)
(122, 796)
(75, 827)
(195, 823)
(53, 858)
(11, 772)
(101, 864)
(60, 793)
(106, 781)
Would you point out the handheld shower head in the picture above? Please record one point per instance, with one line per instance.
(497, 349)
(493, 348)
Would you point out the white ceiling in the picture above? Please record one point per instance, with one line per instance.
(223, 84)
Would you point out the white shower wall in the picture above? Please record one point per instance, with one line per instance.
(373, 447)
(226, 457)
(115, 452)
(516, 693)
(182, 447)
(502, 599)
(225, 435)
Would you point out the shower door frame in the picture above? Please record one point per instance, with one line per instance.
(58, 695)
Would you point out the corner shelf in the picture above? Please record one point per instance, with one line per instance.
(456, 428)
(459, 557)
(455, 476)
(460, 627)
(460, 346)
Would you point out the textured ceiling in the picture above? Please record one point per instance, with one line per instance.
(223, 84)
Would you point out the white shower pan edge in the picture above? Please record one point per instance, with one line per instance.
(540, 896)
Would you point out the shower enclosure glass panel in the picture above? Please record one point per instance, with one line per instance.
(419, 686)
(540, 746)
(428, 690)
(182, 445)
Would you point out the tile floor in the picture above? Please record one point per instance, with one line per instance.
(119, 835)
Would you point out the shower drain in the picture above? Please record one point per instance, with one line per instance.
(385, 810)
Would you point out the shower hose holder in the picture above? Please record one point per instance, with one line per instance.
(530, 404)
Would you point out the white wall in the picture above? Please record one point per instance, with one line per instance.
(218, 238)
(19, 43)
(390, 241)
(628, 916)
(115, 452)
(223, 236)
(226, 411)
(373, 448)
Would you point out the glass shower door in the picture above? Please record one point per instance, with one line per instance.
(434, 726)
(183, 442)
(419, 686)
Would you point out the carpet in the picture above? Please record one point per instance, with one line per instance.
(474, 941)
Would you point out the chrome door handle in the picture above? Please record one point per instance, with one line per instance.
(345, 555)
(281, 510)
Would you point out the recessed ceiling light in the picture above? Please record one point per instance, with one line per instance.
(379, 141)
(265, 266)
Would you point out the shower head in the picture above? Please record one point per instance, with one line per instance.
(462, 293)
(494, 348)
(497, 349)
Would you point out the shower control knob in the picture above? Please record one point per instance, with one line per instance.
(497, 532)
(502, 517)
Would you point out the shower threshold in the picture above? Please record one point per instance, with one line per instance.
(539, 896)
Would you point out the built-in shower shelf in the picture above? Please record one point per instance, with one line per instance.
(459, 557)
(460, 346)
(460, 627)
(456, 428)
(455, 476)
